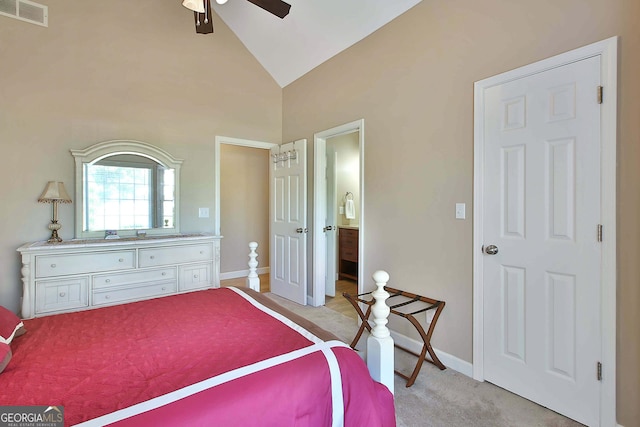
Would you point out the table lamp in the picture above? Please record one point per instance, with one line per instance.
(54, 193)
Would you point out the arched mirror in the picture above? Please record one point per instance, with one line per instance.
(128, 187)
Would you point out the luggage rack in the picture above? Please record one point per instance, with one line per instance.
(408, 301)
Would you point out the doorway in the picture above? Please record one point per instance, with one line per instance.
(237, 269)
(338, 210)
(544, 275)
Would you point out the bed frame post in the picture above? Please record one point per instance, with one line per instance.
(253, 281)
(380, 359)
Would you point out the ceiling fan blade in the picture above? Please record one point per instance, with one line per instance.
(277, 7)
(204, 21)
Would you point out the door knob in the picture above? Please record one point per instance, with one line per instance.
(301, 230)
(328, 228)
(491, 250)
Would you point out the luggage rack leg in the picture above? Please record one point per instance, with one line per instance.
(426, 336)
(363, 316)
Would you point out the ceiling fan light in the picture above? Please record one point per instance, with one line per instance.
(221, 1)
(195, 5)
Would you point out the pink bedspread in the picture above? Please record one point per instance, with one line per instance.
(96, 362)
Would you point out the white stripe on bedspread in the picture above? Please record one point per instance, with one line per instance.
(302, 331)
(324, 347)
(337, 404)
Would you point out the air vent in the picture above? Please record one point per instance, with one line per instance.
(25, 10)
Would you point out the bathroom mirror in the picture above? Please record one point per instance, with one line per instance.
(127, 187)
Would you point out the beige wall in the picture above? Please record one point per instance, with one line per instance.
(118, 70)
(412, 82)
(244, 206)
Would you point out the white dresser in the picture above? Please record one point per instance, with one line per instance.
(80, 274)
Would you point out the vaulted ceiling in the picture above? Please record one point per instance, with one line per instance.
(313, 32)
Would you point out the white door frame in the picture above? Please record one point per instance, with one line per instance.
(332, 219)
(320, 207)
(607, 50)
(216, 153)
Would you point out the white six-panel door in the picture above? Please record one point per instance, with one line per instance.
(541, 302)
(289, 222)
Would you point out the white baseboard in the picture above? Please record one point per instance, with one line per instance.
(242, 273)
(451, 362)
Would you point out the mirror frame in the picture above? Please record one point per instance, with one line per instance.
(105, 149)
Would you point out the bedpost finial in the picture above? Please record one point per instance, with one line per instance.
(381, 276)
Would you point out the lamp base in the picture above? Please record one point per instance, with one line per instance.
(54, 227)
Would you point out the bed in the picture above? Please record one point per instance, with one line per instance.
(227, 356)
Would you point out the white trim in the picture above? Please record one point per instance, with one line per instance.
(12, 335)
(450, 361)
(242, 273)
(216, 165)
(320, 202)
(608, 51)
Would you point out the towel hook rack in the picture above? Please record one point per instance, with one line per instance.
(287, 155)
(348, 196)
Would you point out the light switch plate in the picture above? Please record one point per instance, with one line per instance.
(460, 210)
(203, 212)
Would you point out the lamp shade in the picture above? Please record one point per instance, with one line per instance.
(54, 192)
(195, 5)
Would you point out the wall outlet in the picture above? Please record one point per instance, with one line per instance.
(203, 212)
(460, 210)
(341, 210)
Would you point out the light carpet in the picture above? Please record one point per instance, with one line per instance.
(441, 398)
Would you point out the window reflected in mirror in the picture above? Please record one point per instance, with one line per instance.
(127, 192)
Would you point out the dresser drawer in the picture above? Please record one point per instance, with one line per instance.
(349, 232)
(349, 254)
(59, 265)
(196, 276)
(111, 296)
(101, 281)
(348, 238)
(64, 294)
(152, 257)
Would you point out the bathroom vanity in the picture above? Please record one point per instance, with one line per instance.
(348, 237)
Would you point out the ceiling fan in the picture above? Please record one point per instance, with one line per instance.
(202, 11)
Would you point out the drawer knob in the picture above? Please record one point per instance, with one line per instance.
(152, 257)
(164, 273)
(53, 266)
(195, 276)
(121, 260)
(201, 252)
(106, 297)
(108, 281)
(62, 294)
(164, 288)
